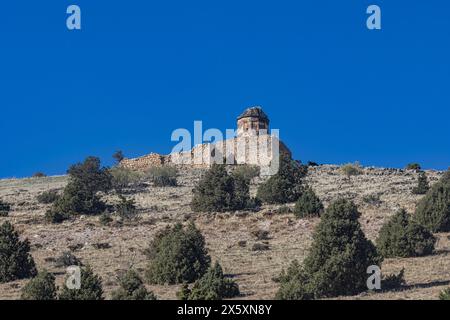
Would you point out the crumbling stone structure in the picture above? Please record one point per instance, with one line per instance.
(253, 145)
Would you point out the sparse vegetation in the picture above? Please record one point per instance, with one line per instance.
(67, 259)
(123, 178)
(164, 176)
(211, 286)
(91, 287)
(433, 210)
(247, 172)
(132, 288)
(373, 199)
(308, 205)
(80, 195)
(48, 197)
(5, 208)
(39, 175)
(337, 261)
(351, 169)
(422, 184)
(126, 209)
(42, 287)
(177, 255)
(286, 185)
(445, 294)
(413, 166)
(401, 237)
(15, 259)
(219, 191)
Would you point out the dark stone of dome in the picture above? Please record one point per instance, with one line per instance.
(254, 112)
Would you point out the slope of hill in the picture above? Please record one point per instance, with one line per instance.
(229, 236)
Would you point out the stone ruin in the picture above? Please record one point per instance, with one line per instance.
(253, 145)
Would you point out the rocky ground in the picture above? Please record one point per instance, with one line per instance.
(109, 249)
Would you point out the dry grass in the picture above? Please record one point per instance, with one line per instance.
(230, 237)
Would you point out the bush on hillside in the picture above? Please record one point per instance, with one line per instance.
(42, 287)
(91, 287)
(39, 175)
(351, 169)
(286, 185)
(132, 288)
(123, 178)
(80, 195)
(338, 259)
(219, 191)
(445, 294)
(308, 205)
(246, 171)
(15, 259)
(401, 237)
(118, 156)
(177, 255)
(5, 208)
(164, 176)
(211, 286)
(422, 184)
(47, 197)
(433, 210)
(126, 209)
(413, 166)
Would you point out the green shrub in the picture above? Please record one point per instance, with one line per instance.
(118, 156)
(132, 288)
(80, 194)
(413, 166)
(105, 219)
(15, 259)
(401, 237)
(351, 169)
(90, 289)
(42, 287)
(177, 255)
(445, 294)
(308, 205)
(286, 185)
(164, 176)
(218, 191)
(211, 286)
(422, 184)
(338, 259)
(292, 284)
(39, 175)
(67, 259)
(47, 197)
(393, 281)
(126, 209)
(123, 178)
(433, 210)
(5, 208)
(246, 171)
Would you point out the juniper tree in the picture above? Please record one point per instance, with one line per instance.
(15, 259)
(308, 205)
(337, 261)
(42, 287)
(401, 237)
(90, 287)
(422, 184)
(433, 210)
(177, 255)
(132, 288)
(284, 186)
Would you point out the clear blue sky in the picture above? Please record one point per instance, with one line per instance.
(140, 69)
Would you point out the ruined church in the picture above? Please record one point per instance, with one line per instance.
(253, 144)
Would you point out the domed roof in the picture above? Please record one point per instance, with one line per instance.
(254, 112)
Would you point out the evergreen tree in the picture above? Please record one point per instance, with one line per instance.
(286, 185)
(42, 287)
(91, 287)
(15, 259)
(4, 209)
(433, 210)
(422, 184)
(338, 259)
(401, 237)
(308, 205)
(211, 286)
(132, 288)
(177, 255)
